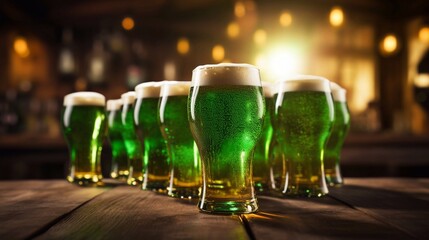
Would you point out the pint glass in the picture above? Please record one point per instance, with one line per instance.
(305, 114)
(261, 171)
(156, 163)
(225, 111)
(338, 135)
(131, 140)
(185, 174)
(120, 166)
(84, 128)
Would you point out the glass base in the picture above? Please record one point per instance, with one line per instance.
(220, 206)
(89, 181)
(156, 186)
(134, 181)
(261, 187)
(185, 192)
(334, 181)
(305, 191)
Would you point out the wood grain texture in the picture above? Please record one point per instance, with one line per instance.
(28, 206)
(130, 213)
(401, 203)
(318, 218)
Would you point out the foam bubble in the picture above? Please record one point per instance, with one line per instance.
(226, 74)
(84, 98)
(304, 83)
(128, 97)
(175, 88)
(114, 104)
(338, 93)
(148, 90)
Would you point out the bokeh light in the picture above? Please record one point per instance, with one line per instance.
(183, 46)
(424, 34)
(20, 46)
(336, 17)
(285, 19)
(128, 23)
(218, 53)
(233, 30)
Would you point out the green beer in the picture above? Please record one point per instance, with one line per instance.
(156, 164)
(84, 128)
(338, 135)
(120, 166)
(225, 111)
(305, 115)
(261, 170)
(277, 163)
(185, 173)
(131, 140)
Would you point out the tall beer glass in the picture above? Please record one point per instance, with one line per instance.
(261, 171)
(185, 175)
(131, 140)
(226, 110)
(84, 128)
(120, 166)
(277, 164)
(305, 112)
(338, 135)
(156, 163)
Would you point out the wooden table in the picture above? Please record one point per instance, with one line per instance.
(370, 208)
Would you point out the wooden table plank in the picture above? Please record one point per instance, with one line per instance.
(28, 206)
(401, 203)
(129, 213)
(320, 218)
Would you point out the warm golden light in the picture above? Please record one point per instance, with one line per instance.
(280, 61)
(233, 30)
(128, 23)
(239, 9)
(390, 43)
(21, 47)
(260, 37)
(422, 80)
(336, 17)
(183, 46)
(218, 53)
(285, 19)
(424, 34)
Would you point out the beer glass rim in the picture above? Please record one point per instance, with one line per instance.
(175, 88)
(114, 104)
(128, 97)
(299, 83)
(239, 74)
(148, 89)
(84, 99)
(338, 93)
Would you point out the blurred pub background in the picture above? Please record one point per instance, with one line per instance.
(377, 49)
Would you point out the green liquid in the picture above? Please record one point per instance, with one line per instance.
(84, 128)
(120, 165)
(132, 146)
(335, 144)
(185, 178)
(261, 171)
(304, 121)
(226, 123)
(156, 163)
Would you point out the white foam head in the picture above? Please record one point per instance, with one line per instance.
(338, 93)
(269, 89)
(84, 99)
(175, 88)
(300, 83)
(226, 74)
(114, 104)
(128, 97)
(148, 89)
